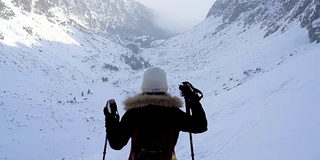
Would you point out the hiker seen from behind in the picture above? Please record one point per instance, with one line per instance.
(153, 119)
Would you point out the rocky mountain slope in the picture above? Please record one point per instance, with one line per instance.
(126, 20)
(271, 16)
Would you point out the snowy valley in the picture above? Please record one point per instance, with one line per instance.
(259, 74)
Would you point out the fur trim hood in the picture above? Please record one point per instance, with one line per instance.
(143, 100)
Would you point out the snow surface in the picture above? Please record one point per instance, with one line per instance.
(260, 95)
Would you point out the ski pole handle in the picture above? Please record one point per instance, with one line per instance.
(190, 92)
(111, 109)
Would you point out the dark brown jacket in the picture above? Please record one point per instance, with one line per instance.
(152, 114)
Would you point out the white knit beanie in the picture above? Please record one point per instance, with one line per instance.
(154, 81)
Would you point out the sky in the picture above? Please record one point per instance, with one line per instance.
(179, 15)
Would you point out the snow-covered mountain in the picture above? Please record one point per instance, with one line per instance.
(260, 87)
(271, 16)
(125, 20)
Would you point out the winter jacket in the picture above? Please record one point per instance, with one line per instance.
(152, 114)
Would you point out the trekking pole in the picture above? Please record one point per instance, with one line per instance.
(111, 113)
(105, 147)
(190, 134)
(189, 92)
(106, 140)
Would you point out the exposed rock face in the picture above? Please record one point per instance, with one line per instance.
(5, 11)
(272, 15)
(123, 19)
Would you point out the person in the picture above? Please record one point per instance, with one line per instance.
(153, 120)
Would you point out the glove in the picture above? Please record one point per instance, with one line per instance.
(190, 93)
(111, 113)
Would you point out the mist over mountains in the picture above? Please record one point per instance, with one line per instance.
(255, 61)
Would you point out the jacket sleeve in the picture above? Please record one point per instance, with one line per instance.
(196, 122)
(119, 133)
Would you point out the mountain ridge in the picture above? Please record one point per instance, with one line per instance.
(273, 15)
(126, 20)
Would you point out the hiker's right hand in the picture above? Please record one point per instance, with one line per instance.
(190, 93)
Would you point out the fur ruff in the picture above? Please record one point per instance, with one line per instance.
(143, 100)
